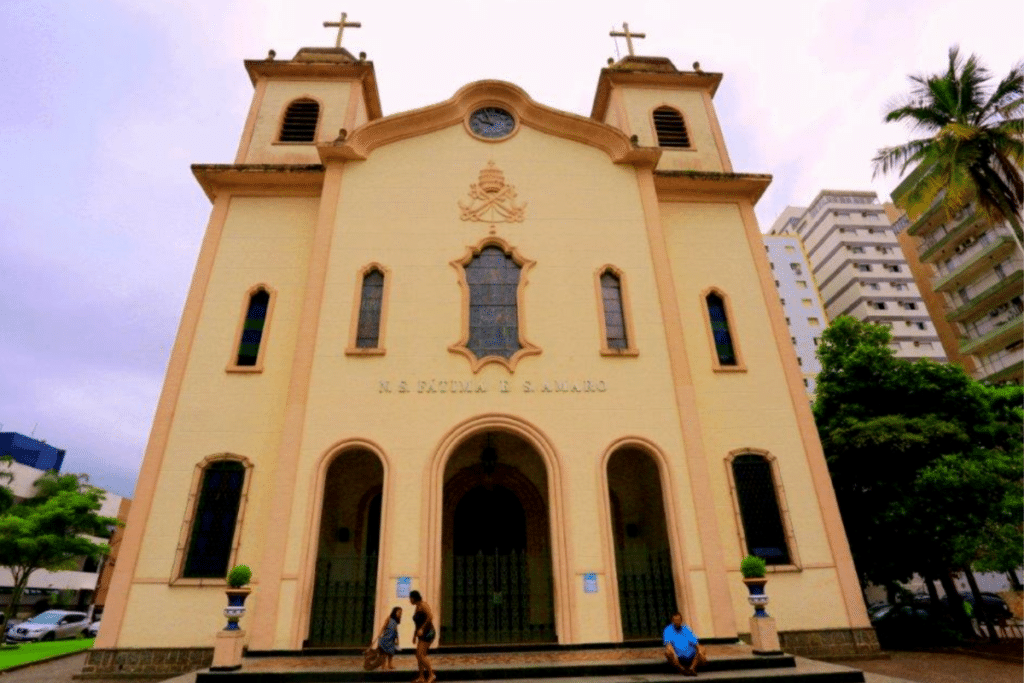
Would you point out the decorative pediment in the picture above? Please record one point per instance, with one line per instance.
(492, 200)
(359, 144)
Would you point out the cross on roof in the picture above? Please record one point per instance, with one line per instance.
(624, 33)
(341, 25)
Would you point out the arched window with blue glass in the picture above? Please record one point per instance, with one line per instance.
(216, 506)
(725, 348)
(253, 333)
(760, 505)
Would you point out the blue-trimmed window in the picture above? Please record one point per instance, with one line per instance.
(252, 329)
(213, 524)
(759, 508)
(724, 347)
(614, 318)
(370, 302)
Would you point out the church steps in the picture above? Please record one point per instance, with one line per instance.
(726, 664)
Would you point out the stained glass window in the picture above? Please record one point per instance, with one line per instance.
(759, 508)
(213, 526)
(614, 320)
(368, 332)
(720, 330)
(493, 279)
(252, 330)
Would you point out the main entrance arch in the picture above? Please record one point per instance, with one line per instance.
(497, 551)
(348, 548)
(643, 555)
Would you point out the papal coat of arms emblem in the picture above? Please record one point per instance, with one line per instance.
(492, 200)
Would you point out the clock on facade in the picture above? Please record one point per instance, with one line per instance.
(492, 123)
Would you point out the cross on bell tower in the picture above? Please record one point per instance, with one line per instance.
(625, 33)
(341, 25)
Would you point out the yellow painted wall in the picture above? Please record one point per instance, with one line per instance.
(265, 241)
(576, 222)
(399, 208)
(751, 409)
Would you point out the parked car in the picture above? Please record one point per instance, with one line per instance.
(992, 603)
(50, 625)
(92, 629)
(900, 626)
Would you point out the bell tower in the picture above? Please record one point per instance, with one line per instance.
(649, 98)
(317, 96)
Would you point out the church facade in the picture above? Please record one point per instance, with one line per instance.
(529, 363)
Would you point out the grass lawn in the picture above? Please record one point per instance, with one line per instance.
(34, 652)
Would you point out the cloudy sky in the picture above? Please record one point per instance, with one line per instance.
(107, 102)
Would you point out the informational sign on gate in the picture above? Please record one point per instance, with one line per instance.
(402, 586)
(590, 583)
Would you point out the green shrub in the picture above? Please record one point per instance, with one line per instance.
(753, 567)
(239, 576)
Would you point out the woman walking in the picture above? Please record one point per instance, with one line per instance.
(387, 639)
(425, 634)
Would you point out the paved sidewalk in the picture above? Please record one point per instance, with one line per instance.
(940, 667)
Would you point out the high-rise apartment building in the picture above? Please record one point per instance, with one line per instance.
(859, 268)
(801, 301)
(973, 271)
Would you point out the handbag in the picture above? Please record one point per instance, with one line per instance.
(372, 658)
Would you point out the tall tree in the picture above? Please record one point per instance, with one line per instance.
(925, 461)
(52, 529)
(974, 144)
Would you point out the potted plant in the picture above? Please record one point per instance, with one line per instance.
(754, 569)
(238, 590)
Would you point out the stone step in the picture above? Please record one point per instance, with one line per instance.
(726, 663)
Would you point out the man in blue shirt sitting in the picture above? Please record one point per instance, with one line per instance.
(682, 649)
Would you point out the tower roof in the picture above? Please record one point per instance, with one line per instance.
(321, 62)
(649, 71)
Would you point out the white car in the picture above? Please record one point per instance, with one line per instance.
(92, 630)
(50, 625)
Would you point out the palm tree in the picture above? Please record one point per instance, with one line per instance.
(975, 145)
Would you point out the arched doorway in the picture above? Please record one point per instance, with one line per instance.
(496, 551)
(345, 583)
(643, 558)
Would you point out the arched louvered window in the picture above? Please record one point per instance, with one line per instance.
(252, 328)
(614, 317)
(670, 128)
(763, 528)
(724, 347)
(368, 331)
(300, 121)
(493, 279)
(213, 523)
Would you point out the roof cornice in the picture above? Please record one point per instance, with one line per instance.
(259, 179)
(690, 185)
(330, 70)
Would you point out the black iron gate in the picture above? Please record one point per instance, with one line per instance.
(344, 593)
(647, 594)
(499, 598)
